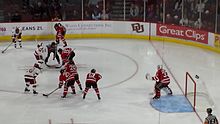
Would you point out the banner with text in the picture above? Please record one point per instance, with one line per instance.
(217, 41)
(182, 33)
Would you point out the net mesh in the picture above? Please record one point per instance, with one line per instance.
(197, 93)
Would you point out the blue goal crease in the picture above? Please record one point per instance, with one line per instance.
(172, 104)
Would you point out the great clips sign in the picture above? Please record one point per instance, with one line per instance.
(182, 33)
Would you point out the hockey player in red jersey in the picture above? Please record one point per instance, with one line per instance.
(16, 37)
(61, 31)
(70, 71)
(62, 78)
(91, 81)
(30, 77)
(162, 82)
(66, 54)
(38, 53)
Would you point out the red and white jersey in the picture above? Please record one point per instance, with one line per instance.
(93, 77)
(32, 73)
(38, 53)
(16, 32)
(62, 78)
(158, 75)
(70, 71)
(65, 54)
(162, 76)
(165, 78)
(60, 30)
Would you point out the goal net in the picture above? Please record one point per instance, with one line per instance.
(197, 93)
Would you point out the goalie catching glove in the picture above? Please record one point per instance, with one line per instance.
(148, 76)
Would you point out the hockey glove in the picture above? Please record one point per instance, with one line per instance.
(60, 85)
(148, 77)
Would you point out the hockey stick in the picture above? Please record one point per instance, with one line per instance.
(53, 66)
(51, 92)
(7, 47)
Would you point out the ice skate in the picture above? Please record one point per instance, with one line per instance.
(26, 90)
(99, 98)
(64, 96)
(156, 97)
(35, 92)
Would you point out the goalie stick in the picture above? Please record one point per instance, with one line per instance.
(51, 92)
(7, 47)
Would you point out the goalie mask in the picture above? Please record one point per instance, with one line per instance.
(93, 71)
(159, 67)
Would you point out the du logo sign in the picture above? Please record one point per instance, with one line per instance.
(137, 27)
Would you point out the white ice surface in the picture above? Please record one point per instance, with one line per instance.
(124, 89)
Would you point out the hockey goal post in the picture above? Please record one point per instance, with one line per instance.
(197, 93)
(189, 77)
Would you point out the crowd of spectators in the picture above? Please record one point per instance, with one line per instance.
(199, 14)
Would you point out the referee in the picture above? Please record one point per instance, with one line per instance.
(210, 119)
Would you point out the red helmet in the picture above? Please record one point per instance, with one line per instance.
(159, 67)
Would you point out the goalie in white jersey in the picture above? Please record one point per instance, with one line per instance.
(30, 77)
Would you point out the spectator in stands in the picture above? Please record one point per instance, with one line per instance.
(47, 4)
(178, 5)
(38, 11)
(16, 17)
(150, 13)
(176, 19)
(93, 3)
(191, 20)
(56, 17)
(76, 15)
(56, 6)
(25, 3)
(184, 21)
(169, 19)
(96, 14)
(134, 11)
(200, 6)
(87, 15)
(104, 15)
(198, 24)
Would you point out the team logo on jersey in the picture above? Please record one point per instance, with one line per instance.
(137, 27)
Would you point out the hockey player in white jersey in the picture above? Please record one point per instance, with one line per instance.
(16, 37)
(38, 53)
(30, 77)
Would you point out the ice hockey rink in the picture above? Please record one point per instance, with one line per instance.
(125, 92)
